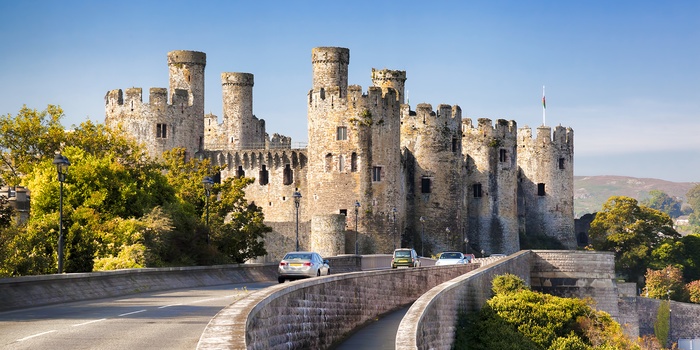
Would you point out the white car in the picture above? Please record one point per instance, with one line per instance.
(451, 258)
(297, 265)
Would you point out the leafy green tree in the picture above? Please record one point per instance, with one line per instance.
(662, 323)
(237, 227)
(666, 283)
(632, 232)
(693, 197)
(28, 138)
(662, 202)
(683, 253)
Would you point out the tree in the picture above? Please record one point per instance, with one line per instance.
(237, 226)
(632, 232)
(694, 291)
(28, 138)
(662, 202)
(665, 284)
(693, 196)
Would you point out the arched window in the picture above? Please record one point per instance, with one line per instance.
(240, 172)
(288, 175)
(329, 162)
(353, 162)
(264, 175)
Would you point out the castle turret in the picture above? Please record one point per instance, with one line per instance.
(546, 201)
(394, 79)
(243, 129)
(491, 186)
(330, 68)
(432, 142)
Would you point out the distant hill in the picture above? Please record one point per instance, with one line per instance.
(590, 192)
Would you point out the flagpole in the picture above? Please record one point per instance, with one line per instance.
(544, 108)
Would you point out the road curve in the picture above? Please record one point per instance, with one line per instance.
(172, 319)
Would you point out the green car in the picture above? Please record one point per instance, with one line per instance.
(405, 257)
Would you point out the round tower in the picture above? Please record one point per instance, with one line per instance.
(237, 90)
(330, 68)
(546, 203)
(491, 186)
(187, 100)
(386, 78)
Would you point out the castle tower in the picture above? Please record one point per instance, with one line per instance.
(243, 129)
(353, 151)
(387, 78)
(546, 183)
(491, 186)
(434, 173)
(187, 74)
(330, 68)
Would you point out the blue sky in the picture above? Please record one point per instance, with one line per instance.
(625, 75)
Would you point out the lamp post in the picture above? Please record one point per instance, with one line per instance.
(422, 232)
(466, 245)
(207, 182)
(297, 198)
(357, 210)
(61, 163)
(393, 212)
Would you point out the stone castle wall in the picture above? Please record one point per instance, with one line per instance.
(366, 147)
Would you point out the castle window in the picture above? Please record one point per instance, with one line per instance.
(344, 212)
(341, 163)
(540, 189)
(342, 133)
(376, 174)
(561, 163)
(502, 155)
(454, 145)
(477, 190)
(353, 162)
(161, 131)
(240, 172)
(329, 162)
(264, 175)
(288, 175)
(425, 185)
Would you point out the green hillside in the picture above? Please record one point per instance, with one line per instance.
(590, 192)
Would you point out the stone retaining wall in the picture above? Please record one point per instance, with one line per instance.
(317, 313)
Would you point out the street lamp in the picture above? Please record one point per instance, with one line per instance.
(61, 163)
(466, 245)
(422, 232)
(357, 209)
(393, 211)
(297, 198)
(208, 182)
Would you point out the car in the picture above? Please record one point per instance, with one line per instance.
(296, 265)
(405, 257)
(469, 257)
(451, 258)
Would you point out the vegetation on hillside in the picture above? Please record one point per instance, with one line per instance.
(120, 208)
(518, 318)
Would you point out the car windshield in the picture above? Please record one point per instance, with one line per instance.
(449, 256)
(402, 254)
(297, 257)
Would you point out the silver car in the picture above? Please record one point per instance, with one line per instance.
(297, 265)
(451, 258)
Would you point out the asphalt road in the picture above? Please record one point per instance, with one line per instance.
(377, 335)
(172, 319)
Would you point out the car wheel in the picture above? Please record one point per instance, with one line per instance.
(318, 272)
(280, 279)
(329, 272)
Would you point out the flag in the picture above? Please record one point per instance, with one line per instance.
(544, 104)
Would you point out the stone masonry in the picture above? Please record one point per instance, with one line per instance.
(478, 187)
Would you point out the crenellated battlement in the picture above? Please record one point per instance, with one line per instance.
(562, 137)
(237, 79)
(425, 117)
(506, 129)
(185, 56)
(331, 97)
(390, 79)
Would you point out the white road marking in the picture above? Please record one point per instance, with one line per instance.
(133, 312)
(164, 306)
(35, 335)
(88, 322)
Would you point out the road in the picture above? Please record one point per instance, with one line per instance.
(377, 335)
(172, 319)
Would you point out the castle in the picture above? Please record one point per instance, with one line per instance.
(376, 174)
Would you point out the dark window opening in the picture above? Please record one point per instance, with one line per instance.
(288, 175)
(344, 212)
(540, 189)
(561, 163)
(161, 131)
(377, 174)
(454, 145)
(240, 172)
(353, 162)
(342, 133)
(329, 162)
(502, 155)
(425, 185)
(264, 176)
(477, 190)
